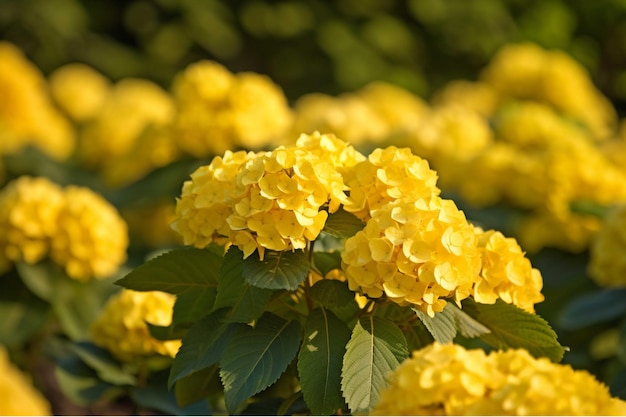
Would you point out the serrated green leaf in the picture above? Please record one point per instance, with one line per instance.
(326, 261)
(320, 361)
(331, 293)
(441, 326)
(376, 347)
(256, 357)
(192, 305)
(100, 360)
(202, 346)
(175, 272)
(246, 302)
(342, 224)
(284, 270)
(512, 327)
(589, 309)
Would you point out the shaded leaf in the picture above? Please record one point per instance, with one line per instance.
(79, 382)
(100, 360)
(193, 304)
(594, 308)
(256, 357)
(175, 272)
(320, 361)
(170, 332)
(376, 347)
(331, 293)
(284, 270)
(342, 224)
(198, 386)
(327, 261)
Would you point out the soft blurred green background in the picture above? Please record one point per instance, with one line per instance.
(314, 45)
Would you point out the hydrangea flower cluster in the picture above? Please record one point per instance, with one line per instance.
(607, 265)
(19, 396)
(219, 111)
(447, 379)
(121, 326)
(276, 200)
(76, 228)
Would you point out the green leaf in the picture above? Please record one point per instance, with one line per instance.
(79, 382)
(327, 261)
(331, 293)
(342, 224)
(175, 272)
(256, 357)
(202, 346)
(589, 309)
(376, 347)
(192, 305)
(170, 332)
(512, 327)
(445, 325)
(245, 301)
(417, 336)
(320, 361)
(279, 270)
(198, 386)
(107, 368)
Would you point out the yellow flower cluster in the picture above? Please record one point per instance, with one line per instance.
(75, 227)
(18, 396)
(607, 265)
(541, 151)
(27, 114)
(447, 379)
(373, 114)
(416, 252)
(121, 326)
(267, 200)
(219, 111)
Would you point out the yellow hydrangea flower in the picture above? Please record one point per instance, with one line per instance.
(607, 265)
(91, 239)
(387, 175)
(121, 326)
(29, 212)
(27, 114)
(447, 379)
(506, 273)
(416, 252)
(477, 96)
(79, 90)
(266, 200)
(219, 110)
(18, 396)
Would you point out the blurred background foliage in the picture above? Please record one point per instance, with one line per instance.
(313, 45)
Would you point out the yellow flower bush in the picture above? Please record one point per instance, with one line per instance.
(91, 239)
(266, 200)
(27, 114)
(79, 90)
(29, 212)
(607, 265)
(18, 396)
(149, 224)
(121, 327)
(447, 379)
(219, 111)
(75, 227)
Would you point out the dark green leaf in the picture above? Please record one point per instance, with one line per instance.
(107, 368)
(320, 361)
(175, 272)
(512, 327)
(192, 305)
(170, 332)
(331, 293)
(417, 336)
(245, 301)
(343, 224)
(589, 309)
(284, 270)
(202, 346)
(79, 382)
(327, 261)
(376, 347)
(198, 386)
(256, 357)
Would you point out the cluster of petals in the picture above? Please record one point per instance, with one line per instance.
(219, 111)
(17, 392)
(121, 326)
(276, 200)
(447, 379)
(607, 265)
(74, 227)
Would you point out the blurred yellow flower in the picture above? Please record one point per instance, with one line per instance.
(121, 327)
(607, 264)
(18, 396)
(447, 379)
